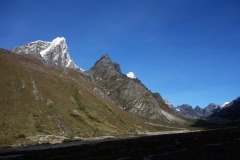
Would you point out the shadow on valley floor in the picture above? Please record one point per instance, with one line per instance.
(215, 122)
(199, 123)
(223, 143)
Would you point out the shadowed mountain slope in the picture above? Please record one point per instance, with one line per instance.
(230, 111)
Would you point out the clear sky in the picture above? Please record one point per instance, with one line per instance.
(187, 50)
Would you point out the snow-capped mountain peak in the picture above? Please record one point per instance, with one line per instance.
(57, 41)
(168, 103)
(54, 53)
(131, 75)
(225, 103)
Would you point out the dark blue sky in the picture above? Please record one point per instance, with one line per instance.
(186, 50)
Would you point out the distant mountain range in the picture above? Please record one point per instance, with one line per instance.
(228, 110)
(197, 112)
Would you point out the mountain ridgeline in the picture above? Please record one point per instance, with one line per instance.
(229, 111)
(197, 112)
(128, 93)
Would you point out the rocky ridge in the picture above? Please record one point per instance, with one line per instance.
(188, 111)
(213, 112)
(129, 93)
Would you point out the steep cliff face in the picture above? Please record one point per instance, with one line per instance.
(128, 93)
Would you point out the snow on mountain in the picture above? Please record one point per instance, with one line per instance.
(131, 75)
(54, 53)
(55, 42)
(198, 112)
(167, 102)
(225, 103)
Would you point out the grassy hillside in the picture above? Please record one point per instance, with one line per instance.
(39, 100)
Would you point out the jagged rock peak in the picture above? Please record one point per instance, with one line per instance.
(211, 108)
(185, 105)
(105, 56)
(105, 59)
(105, 69)
(53, 53)
(225, 104)
(199, 110)
(213, 105)
(187, 110)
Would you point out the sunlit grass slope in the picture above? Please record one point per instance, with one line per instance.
(39, 100)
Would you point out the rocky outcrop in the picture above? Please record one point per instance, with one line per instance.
(53, 53)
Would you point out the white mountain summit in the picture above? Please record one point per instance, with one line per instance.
(54, 53)
(131, 75)
(167, 102)
(225, 104)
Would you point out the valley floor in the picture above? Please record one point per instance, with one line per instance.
(211, 144)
